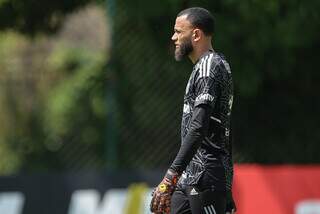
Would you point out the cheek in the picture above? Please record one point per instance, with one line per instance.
(181, 38)
(184, 39)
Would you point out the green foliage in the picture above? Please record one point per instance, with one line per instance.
(31, 16)
(53, 98)
(64, 101)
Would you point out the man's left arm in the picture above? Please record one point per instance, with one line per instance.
(198, 128)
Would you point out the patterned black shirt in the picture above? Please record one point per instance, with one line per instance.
(209, 93)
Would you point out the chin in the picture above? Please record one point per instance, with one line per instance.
(178, 58)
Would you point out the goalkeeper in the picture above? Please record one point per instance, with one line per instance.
(199, 181)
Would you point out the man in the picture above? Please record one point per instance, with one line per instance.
(199, 180)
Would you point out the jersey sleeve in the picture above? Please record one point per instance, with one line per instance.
(207, 84)
(198, 129)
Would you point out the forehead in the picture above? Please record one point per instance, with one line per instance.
(182, 23)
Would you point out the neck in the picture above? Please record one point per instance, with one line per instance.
(199, 51)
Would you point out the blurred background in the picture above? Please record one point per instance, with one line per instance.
(90, 93)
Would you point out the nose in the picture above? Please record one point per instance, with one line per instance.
(174, 37)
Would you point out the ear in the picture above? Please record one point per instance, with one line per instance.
(196, 35)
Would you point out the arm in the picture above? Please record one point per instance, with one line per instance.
(198, 130)
(206, 90)
(231, 207)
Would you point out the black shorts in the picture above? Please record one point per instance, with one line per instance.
(191, 200)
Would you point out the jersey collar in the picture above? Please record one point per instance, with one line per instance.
(204, 55)
(198, 62)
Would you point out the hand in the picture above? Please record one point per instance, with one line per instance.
(231, 206)
(161, 196)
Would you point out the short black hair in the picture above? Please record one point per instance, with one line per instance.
(200, 18)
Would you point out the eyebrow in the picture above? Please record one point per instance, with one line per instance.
(177, 30)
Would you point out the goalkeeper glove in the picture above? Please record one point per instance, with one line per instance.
(161, 196)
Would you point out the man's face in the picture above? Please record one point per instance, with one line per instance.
(182, 37)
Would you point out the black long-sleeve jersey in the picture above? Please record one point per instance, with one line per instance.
(205, 155)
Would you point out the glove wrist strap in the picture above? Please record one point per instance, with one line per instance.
(172, 176)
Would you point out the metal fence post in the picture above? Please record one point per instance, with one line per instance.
(111, 125)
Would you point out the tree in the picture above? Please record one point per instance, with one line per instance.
(31, 16)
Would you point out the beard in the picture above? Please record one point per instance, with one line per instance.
(185, 48)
